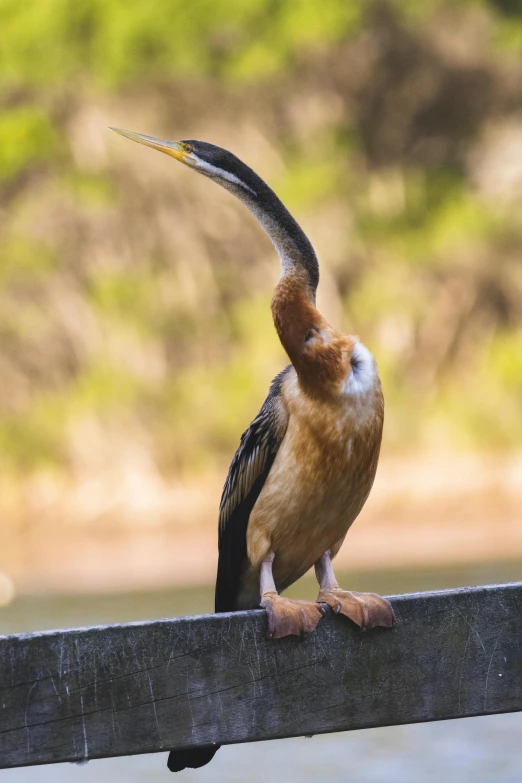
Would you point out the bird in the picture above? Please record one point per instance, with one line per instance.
(306, 464)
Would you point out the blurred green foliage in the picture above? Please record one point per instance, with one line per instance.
(116, 42)
(26, 138)
(141, 302)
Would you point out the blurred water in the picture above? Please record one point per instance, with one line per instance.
(480, 750)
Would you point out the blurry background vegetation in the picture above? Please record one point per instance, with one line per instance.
(135, 331)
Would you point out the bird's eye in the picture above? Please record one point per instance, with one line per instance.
(188, 148)
(310, 333)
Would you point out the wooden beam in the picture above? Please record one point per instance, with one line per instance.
(144, 687)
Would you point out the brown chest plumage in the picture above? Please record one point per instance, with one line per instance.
(318, 484)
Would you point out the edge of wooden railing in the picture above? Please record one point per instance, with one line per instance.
(191, 681)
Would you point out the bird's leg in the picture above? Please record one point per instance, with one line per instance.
(367, 610)
(285, 616)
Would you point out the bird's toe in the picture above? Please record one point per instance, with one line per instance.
(290, 618)
(379, 610)
(367, 610)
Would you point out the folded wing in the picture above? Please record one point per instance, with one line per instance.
(247, 474)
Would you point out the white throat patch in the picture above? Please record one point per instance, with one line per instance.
(363, 372)
(215, 171)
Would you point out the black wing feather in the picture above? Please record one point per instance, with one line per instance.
(248, 471)
(247, 474)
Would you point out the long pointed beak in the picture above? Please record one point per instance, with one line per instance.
(173, 148)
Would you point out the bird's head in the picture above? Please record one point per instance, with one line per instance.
(210, 160)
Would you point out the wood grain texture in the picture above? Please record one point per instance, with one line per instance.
(143, 687)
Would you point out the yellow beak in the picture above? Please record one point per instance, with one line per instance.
(173, 148)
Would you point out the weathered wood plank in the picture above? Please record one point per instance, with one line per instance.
(145, 687)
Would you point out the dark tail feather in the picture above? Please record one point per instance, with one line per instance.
(232, 558)
(198, 757)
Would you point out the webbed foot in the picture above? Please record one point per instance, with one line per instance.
(287, 617)
(367, 610)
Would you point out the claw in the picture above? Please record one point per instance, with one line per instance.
(367, 610)
(290, 618)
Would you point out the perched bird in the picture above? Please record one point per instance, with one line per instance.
(305, 466)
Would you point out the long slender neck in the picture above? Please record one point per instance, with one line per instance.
(297, 256)
(293, 302)
(296, 318)
(321, 356)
